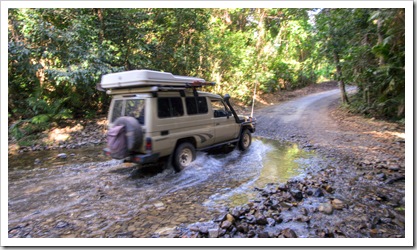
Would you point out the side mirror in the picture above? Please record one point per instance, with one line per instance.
(226, 97)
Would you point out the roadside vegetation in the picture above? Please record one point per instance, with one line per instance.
(57, 56)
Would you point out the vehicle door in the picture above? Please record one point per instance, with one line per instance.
(225, 126)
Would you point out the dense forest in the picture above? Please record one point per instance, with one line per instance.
(57, 56)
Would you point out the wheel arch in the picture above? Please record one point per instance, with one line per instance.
(191, 140)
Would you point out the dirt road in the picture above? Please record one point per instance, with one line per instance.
(369, 170)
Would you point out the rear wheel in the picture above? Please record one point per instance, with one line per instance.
(245, 140)
(184, 154)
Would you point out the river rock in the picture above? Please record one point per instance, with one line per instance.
(62, 156)
(251, 234)
(203, 229)
(318, 192)
(326, 208)
(298, 196)
(61, 224)
(263, 234)
(328, 189)
(394, 167)
(159, 205)
(337, 204)
(230, 218)
(213, 232)
(261, 220)
(271, 222)
(243, 227)
(289, 233)
(226, 224)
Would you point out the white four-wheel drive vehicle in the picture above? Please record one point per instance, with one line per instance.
(156, 115)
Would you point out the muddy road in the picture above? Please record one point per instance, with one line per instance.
(297, 144)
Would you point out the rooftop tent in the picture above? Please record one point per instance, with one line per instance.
(139, 78)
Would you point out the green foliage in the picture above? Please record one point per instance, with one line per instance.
(57, 56)
(370, 45)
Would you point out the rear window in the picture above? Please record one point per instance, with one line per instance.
(170, 107)
(196, 105)
(129, 107)
(117, 110)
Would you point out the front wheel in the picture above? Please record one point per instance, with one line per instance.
(245, 140)
(184, 154)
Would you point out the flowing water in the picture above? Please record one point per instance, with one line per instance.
(88, 195)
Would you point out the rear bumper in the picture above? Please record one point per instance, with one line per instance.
(137, 158)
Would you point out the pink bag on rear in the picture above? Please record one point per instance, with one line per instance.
(116, 142)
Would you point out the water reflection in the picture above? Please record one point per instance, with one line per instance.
(276, 162)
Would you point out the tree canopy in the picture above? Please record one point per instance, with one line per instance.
(56, 56)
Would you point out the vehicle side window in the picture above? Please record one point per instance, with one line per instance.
(117, 110)
(170, 107)
(176, 106)
(196, 105)
(219, 109)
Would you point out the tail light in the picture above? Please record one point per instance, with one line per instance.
(148, 146)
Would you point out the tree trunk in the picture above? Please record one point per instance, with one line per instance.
(380, 40)
(102, 26)
(339, 79)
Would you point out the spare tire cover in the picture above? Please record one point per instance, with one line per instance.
(133, 132)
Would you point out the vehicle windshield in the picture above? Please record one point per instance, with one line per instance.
(129, 107)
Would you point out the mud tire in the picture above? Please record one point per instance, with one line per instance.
(184, 154)
(245, 140)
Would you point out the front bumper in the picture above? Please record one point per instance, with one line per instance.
(137, 158)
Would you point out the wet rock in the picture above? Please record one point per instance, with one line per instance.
(226, 224)
(326, 208)
(278, 219)
(337, 204)
(194, 228)
(271, 222)
(62, 224)
(37, 161)
(303, 218)
(159, 205)
(243, 227)
(203, 229)
(261, 220)
(298, 196)
(304, 211)
(251, 234)
(230, 218)
(213, 232)
(250, 219)
(263, 234)
(381, 177)
(62, 156)
(222, 233)
(328, 189)
(394, 167)
(289, 233)
(283, 187)
(221, 218)
(318, 192)
(236, 212)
